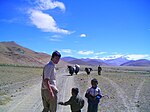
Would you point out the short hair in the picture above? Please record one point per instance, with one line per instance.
(56, 53)
(94, 81)
(75, 90)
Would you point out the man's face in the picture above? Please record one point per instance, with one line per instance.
(56, 59)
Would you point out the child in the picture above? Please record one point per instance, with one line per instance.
(75, 101)
(93, 94)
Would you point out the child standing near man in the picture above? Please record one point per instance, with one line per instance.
(76, 102)
(93, 94)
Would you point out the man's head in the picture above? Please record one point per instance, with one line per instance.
(75, 91)
(55, 57)
(94, 82)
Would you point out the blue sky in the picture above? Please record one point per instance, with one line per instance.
(101, 29)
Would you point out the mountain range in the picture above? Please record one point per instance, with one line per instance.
(121, 61)
(12, 53)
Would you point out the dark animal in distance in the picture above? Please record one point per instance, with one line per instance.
(88, 70)
(71, 70)
(74, 69)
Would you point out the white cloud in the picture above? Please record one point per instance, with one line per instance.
(129, 56)
(54, 39)
(99, 53)
(82, 35)
(45, 22)
(137, 56)
(85, 52)
(49, 4)
(112, 56)
(66, 50)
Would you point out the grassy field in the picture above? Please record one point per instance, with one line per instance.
(127, 87)
(15, 79)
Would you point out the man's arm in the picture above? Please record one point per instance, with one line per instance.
(47, 83)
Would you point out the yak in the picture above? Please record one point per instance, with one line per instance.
(71, 70)
(74, 69)
(88, 70)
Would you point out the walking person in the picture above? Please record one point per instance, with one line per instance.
(93, 94)
(99, 70)
(48, 89)
(76, 102)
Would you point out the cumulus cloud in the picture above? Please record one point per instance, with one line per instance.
(66, 50)
(82, 35)
(45, 22)
(49, 4)
(85, 52)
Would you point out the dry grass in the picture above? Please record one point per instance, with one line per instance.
(132, 81)
(15, 79)
(10, 74)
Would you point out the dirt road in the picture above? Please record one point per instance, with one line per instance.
(29, 100)
(129, 104)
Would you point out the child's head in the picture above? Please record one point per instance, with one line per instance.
(75, 91)
(94, 82)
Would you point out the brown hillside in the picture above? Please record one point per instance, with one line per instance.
(12, 53)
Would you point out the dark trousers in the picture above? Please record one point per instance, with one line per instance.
(77, 111)
(93, 105)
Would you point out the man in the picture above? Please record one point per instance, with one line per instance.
(99, 70)
(49, 90)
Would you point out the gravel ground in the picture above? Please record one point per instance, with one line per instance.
(127, 91)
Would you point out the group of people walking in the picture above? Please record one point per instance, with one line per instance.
(49, 90)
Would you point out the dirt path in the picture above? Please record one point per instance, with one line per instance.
(129, 104)
(67, 82)
(29, 99)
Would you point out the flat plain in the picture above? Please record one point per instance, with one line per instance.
(125, 89)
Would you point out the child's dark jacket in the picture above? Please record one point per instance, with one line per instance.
(76, 103)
